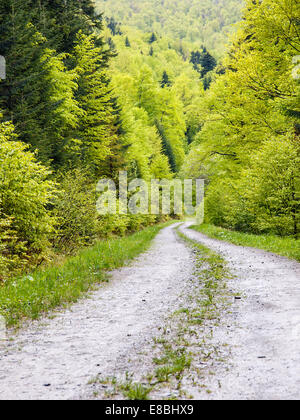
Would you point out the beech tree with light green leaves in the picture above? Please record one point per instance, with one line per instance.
(250, 126)
(26, 224)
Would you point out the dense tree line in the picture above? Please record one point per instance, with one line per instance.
(160, 93)
(191, 23)
(84, 98)
(248, 147)
(61, 130)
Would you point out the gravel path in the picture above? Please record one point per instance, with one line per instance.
(263, 329)
(54, 359)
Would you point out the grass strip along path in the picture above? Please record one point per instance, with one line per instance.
(284, 246)
(48, 288)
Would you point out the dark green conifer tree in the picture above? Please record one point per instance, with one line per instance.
(37, 95)
(96, 130)
(127, 42)
(153, 38)
(165, 82)
(166, 147)
(203, 61)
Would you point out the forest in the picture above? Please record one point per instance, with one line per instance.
(248, 145)
(156, 89)
(189, 23)
(99, 302)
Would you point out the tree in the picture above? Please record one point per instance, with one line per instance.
(113, 26)
(172, 127)
(153, 38)
(95, 130)
(166, 147)
(116, 160)
(37, 95)
(190, 21)
(111, 44)
(147, 91)
(267, 197)
(249, 141)
(207, 62)
(25, 195)
(127, 42)
(203, 62)
(165, 82)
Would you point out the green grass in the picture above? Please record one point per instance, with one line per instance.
(54, 286)
(287, 247)
(129, 389)
(135, 392)
(174, 363)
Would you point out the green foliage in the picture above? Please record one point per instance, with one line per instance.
(189, 22)
(94, 132)
(267, 197)
(37, 94)
(78, 223)
(59, 96)
(59, 105)
(127, 42)
(153, 38)
(158, 92)
(248, 146)
(165, 81)
(136, 392)
(25, 194)
(203, 61)
(75, 211)
(113, 26)
(174, 363)
(144, 102)
(8, 261)
(121, 225)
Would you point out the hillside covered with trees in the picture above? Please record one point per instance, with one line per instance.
(248, 147)
(85, 97)
(190, 22)
(242, 129)
(62, 129)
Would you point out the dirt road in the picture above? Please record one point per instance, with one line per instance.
(55, 358)
(263, 330)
